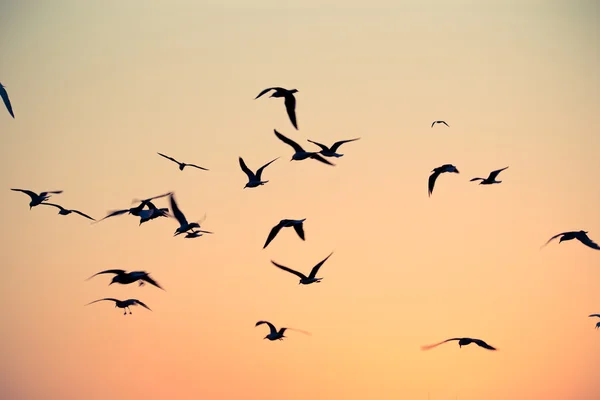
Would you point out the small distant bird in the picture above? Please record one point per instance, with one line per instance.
(274, 334)
(594, 315)
(152, 212)
(300, 153)
(254, 180)
(37, 199)
(64, 211)
(491, 179)
(125, 278)
(437, 171)
(305, 280)
(462, 342)
(290, 101)
(184, 225)
(137, 210)
(124, 304)
(331, 152)
(297, 224)
(4, 96)
(579, 235)
(194, 234)
(440, 122)
(182, 165)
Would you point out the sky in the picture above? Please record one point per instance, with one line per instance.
(98, 88)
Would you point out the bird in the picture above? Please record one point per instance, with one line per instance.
(137, 210)
(579, 235)
(331, 151)
(254, 180)
(462, 342)
(305, 280)
(125, 278)
(182, 165)
(437, 171)
(290, 101)
(124, 304)
(152, 212)
(440, 122)
(274, 334)
(37, 199)
(594, 315)
(297, 224)
(64, 211)
(300, 153)
(4, 95)
(491, 179)
(184, 225)
(194, 234)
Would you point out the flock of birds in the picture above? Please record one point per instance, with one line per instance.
(147, 211)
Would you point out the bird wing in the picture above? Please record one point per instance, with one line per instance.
(274, 231)
(136, 301)
(260, 170)
(106, 298)
(431, 346)
(27, 192)
(298, 330)
(265, 91)
(476, 179)
(114, 213)
(153, 198)
(290, 106)
(108, 271)
(588, 242)
(444, 122)
(315, 269)
(322, 146)
(594, 315)
(290, 142)
(299, 228)
(554, 237)
(483, 344)
(250, 174)
(433, 123)
(337, 145)
(197, 166)
(432, 179)
(4, 95)
(495, 173)
(298, 274)
(271, 326)
(151, 281)
(80, 213)
(53, 205)
(169, 158)
(177, 212)
(319, 158)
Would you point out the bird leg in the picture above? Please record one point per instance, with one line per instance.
(141, 283)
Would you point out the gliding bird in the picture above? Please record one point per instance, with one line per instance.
(491, 179)
(124, 304)
(184, 225)
(300, 153)
(182, 165)
(64, 211)
(437, 171)
(274, 334)
(462, 342)
(579, 235)
(440, 122)
(152, 212)
(331, 151)
(137, 210)
(37, 199)
(290, 101)
(254, 180)
(297, 224)
(4, 95)
(125, 278)
(305, 280)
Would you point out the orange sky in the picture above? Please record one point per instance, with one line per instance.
(99, 87)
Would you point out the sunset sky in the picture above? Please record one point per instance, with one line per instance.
(99, 87)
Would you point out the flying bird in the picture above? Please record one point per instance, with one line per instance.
(491, 179)
(300, 153)
(290, 101)
(184, 225)
(137, 210)
(274, 334)
(152, 212)
(440, 122)
(124, 304)
(4, 96)
(254, 180)
(332, 151)
(125, 278)
(437, 171)
(182, 165)
(579, 235)
(64, 211)
(194, 234)
(305, 280)
(462, 342)
(297, 224)
(37, 199)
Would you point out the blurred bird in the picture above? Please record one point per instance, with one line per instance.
(332, 152)
(300, 153)
(124, 304)
(64, 211)
(254, 180)
(462, 342)
(437, 171)
(297, 224)
(6, 100)
(305, 280)
(440, 122)
(125, 278)
(137, 210)
(152, 212)
(182, 165)
(579, 235)
(290, 101)
(37, 199)
(184, 225)
(274, 334)
(491, 179)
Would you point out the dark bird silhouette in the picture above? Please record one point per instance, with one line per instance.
(274, 334)
(137, 210)
(125, 278)
(182, 165)
(298, 225)
(305, 280)
(440, 122)
(437, 171)
(254, 180)
(37, 199)
(124, 304)
(152, 213)
(4, 95)
(64, 211)
(491, 179)
(462, 342)
(290, 101)
(331, 152)
(184, 225)
(300, 153)
(579, 235)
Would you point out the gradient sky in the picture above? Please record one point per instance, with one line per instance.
(98, 87)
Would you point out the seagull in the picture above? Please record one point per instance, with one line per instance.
(182, 165)
(305, 280)
(462, 342)
(594, 315)
(300, 153)
(64, 211)
(4, 95)
(437, 171)
(194, 234)
(254, 180)
(274, 335)
(37, 199)
(290, 101)
(491, 179)
(184, 225)
(580, 235)
(125, 304)
(331, 151)
(286, 223)
(440, 122)
(137, 210)
(125, 278)
(152, 212)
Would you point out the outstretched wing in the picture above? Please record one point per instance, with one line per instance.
(265, 91)
(337, 145)
(82, 214)
(299, 228)
(476, 179)
(106, 298)
(177, 212)
(483, 344)
(315, 269)
(554, 237)
(594, 315)
(151, 281)
(246, 170)
(196, 166)
(290, 106)
(298, 330)
(136, 301)
(108, 271)
(444, 122)
(114, 213)
(289, 142)
(53, 205)
(274, 231)
(583, 238)
(431, 346)
(271, 326)
(298, 274)
(321, 145)
(431, 182)
(27, 192)
(317, 157)
(495, 173)
(260, 170)
(433, 123)
(168, 158)
(4, 95)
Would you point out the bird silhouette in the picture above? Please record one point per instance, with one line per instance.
(297, 224)
(182, 165)
(332, 151)
(491, 179)
(254, 180)
(152, 213)
(125, 278)
(305, 280)
(4, 95)
(440, 122)
(436, 172)
(462, 342)
(184, 225)
(64, 211)
(277, 335)
(137, 210)
(124, 304)
(300, 153)
(289, 101)
(37, 199)
(579, 235)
